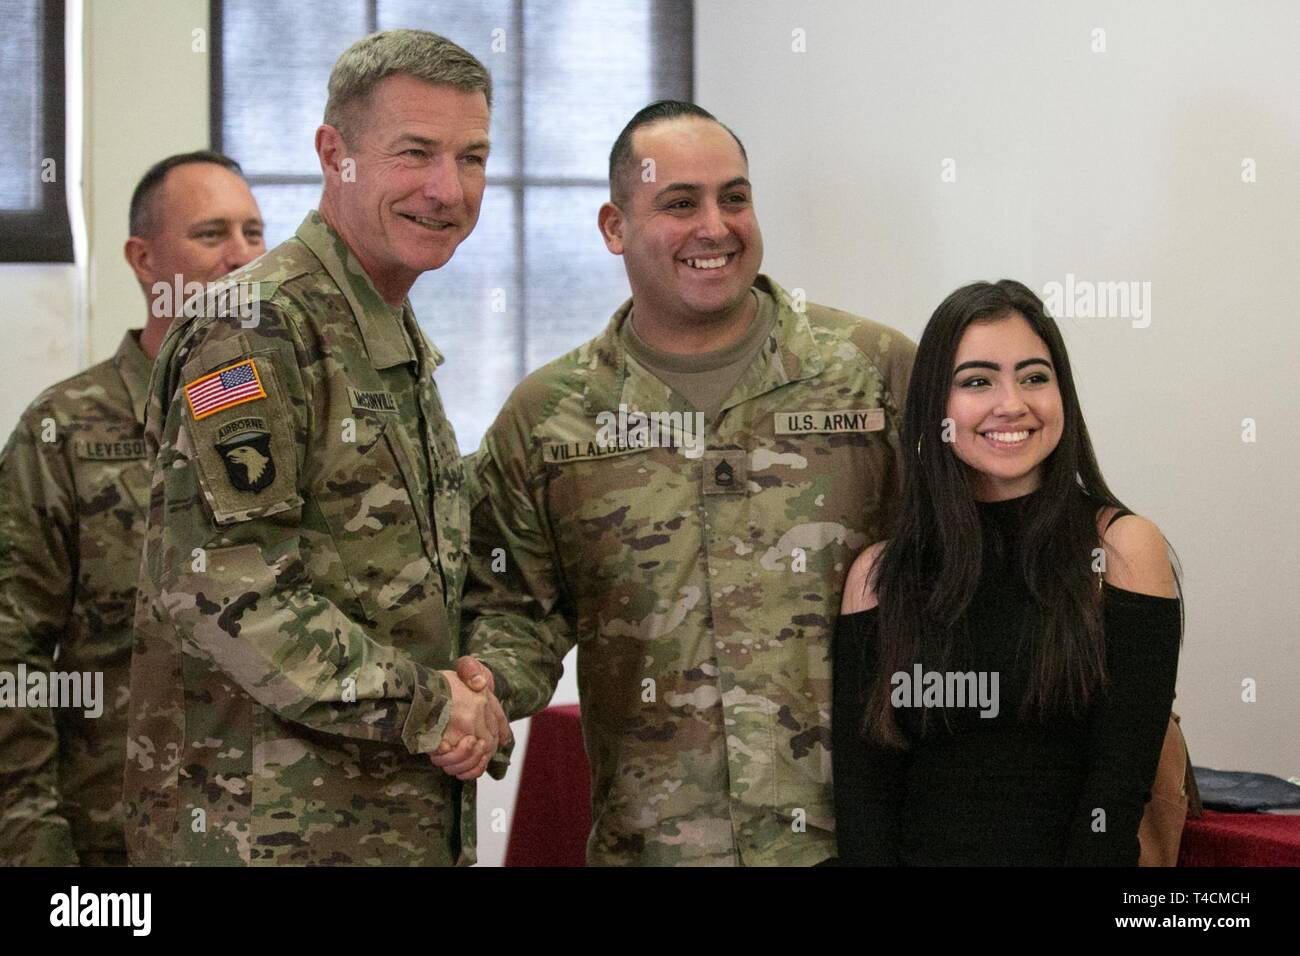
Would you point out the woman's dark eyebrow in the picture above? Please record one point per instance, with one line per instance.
(994, 366)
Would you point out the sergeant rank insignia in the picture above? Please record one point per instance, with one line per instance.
(248, 460)
(726, 472)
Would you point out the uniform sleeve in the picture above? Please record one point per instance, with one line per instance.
(37, 569)
(898, 368)
(1126, 728)
(233, 570)
(867, 778)
(513, 613)
(890, 354)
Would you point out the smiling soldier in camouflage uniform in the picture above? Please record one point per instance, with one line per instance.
(700, 582)
(300, 600)
(74, 489)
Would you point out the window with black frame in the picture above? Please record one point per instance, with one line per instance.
(534, 279)
(34, 225)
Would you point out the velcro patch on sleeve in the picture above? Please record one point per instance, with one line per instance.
(225, 388)
(247, 459)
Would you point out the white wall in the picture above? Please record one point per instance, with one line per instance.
(146, 98)
(143, 95)
(1116, 165)
(40, 326)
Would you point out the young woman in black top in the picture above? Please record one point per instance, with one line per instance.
(1004, 664)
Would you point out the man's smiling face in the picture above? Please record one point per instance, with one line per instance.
(420, 153)
(689, 239)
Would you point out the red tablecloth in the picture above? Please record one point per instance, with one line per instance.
(553, 811)
(1241, 839)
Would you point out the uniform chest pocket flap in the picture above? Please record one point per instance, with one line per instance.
(112, 469)
(364, 495)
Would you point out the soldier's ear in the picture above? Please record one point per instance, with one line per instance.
(331, 149)
(610, 221)
(139, 257)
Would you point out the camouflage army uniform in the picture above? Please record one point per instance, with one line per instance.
(74, 486)
(301, 586)
(701, 592)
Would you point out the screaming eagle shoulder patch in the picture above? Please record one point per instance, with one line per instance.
(248, 460)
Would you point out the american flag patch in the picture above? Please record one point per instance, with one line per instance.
(224, 388)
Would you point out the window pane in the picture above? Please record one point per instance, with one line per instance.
(572, 283)
(474, 26)
(471, 311)
(283, 208)
(20, 106)
(276, 60)
(590, 65)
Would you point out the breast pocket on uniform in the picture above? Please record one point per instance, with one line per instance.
(114, 473)
(134, 478)
(364, 496)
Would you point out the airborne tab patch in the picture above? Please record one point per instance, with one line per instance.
(224, 388)
(823, 421)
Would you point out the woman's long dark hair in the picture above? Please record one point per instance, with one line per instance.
(927, 574)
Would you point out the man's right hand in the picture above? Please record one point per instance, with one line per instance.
(476, 728)
(478, 676)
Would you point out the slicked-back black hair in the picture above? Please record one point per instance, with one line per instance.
(621, 157)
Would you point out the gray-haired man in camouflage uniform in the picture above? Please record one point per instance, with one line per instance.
(697, 562)
(74, 489)
(299, 604)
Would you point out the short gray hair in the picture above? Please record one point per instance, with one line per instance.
(418, 53)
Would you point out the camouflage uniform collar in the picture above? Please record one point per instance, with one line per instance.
(133, 366)
(790, 355)
(382, 326)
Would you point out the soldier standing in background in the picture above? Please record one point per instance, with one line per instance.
(74, 489)
(299, 602)
(699, 571)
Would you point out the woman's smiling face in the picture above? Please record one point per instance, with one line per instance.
(1005, 406)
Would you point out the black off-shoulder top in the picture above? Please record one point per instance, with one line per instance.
(1003, 790)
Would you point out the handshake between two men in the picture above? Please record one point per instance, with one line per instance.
(478, 727)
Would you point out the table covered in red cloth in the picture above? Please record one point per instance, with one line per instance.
(553, 808)
(1241, 839)
(553, 811)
